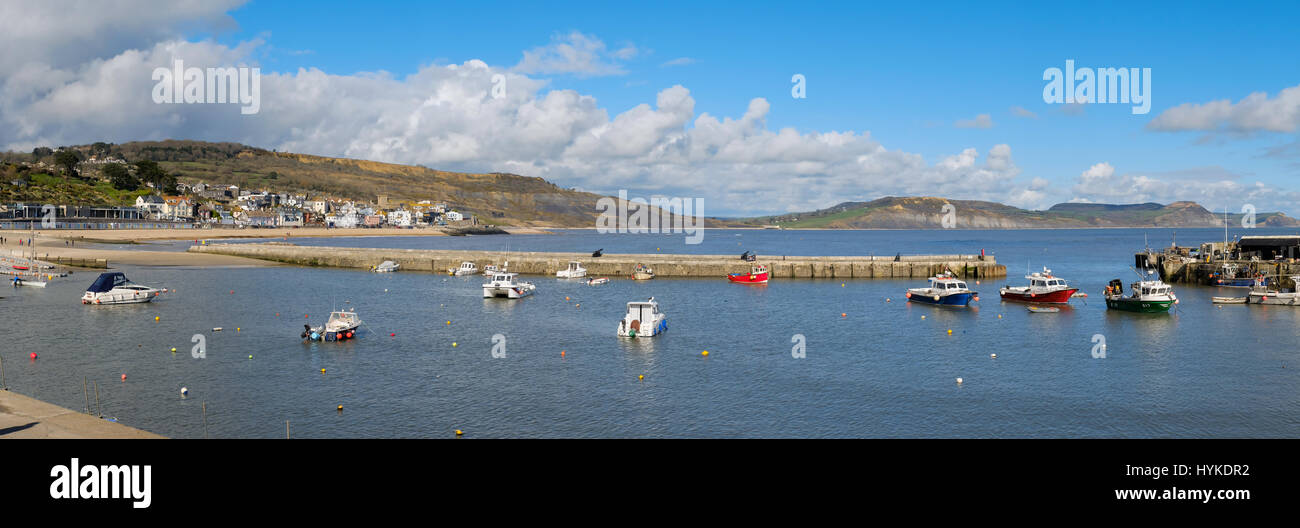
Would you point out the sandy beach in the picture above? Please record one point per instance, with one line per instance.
(55, 243)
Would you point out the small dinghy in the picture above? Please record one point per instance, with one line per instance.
(19, 281)
(1043, 309)
(597, 281)
(386, 266)
(1228, 300)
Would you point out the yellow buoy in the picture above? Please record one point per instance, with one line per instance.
(173, 349)
(250, 356)
(641, 377)
(704, 353)
(236, 328)
(949, 331)
(459, 432)
(923, 317)
(322, 371)
(999, 316)
(156, 318)
(340, 408)
(448, 322)
(453, 344)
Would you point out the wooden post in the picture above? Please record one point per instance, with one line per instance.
(85, 392)
(98, 409)
(286, 429)
(205, 420)
(3, 385)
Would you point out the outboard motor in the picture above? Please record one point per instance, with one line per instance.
(306, 331)
(596, 253)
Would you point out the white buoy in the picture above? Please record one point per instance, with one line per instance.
(185, 391)
(994, 356)
(959, 381)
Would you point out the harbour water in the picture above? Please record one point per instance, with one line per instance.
(872, 367)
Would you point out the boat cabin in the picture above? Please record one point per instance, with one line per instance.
(643, 310)
(107, 281)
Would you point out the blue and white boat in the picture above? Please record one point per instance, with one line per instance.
(944, 289)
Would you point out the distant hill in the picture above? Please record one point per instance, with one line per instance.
(496, 198)
(928, 213)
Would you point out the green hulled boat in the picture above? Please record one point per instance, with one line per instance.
(1148, 296)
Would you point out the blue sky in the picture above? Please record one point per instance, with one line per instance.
(903, 74)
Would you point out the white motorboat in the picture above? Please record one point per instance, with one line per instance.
(643, 319)
(386, 267)
(466, 268)
(574, 271)
(597, 281)
(340, 326)
(114, 288)
(1263, 295)
(506, 285)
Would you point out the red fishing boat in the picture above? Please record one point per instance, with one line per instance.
(757, 275)
(1042, 288)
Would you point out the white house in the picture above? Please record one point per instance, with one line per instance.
(400, 218)
(150, 205)
(454, 216)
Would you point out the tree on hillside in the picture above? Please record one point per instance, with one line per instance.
(68, 159)
(121, 177)
(100, 148)
(41, 152)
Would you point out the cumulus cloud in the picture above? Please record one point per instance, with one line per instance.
(1101, 183)
(1253, 113)
(449, 117)
(980, 121)
(680, 61)
(1020, 111)
(576, 54)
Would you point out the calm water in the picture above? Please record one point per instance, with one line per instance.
(879, 371)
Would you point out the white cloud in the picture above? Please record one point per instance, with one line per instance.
(444, 116)
(980, 121)
(1253, 113)
(575, 54)
(680, 61)
(1019, 111)
(1101, 183)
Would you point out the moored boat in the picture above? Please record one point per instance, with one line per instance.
(506, 285)
(1263, 295)
(1147, 296)
(597, 281)
(643, 272)
(758, 274)
(340, 326)
(466, 268)
(114, 288)
(1042, 309)
(574, 271)
(1043, 288)
(1231, 276)
(643, 319)
(19, 281)
(386, 266)
(945, 289)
